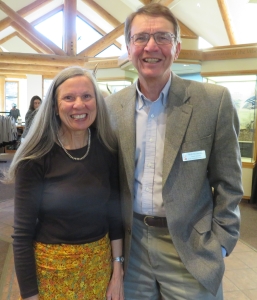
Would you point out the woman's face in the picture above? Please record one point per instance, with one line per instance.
(36, 103)
(76, 104)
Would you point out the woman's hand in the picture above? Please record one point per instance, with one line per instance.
(115, 289)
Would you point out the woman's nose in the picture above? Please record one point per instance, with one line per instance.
(79, 102)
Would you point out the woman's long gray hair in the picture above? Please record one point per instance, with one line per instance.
(46, 124)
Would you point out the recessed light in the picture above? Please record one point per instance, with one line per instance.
(198, 4)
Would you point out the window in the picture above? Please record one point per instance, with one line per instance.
(11, 94)
(52, 28)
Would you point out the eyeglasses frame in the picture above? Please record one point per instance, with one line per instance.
(153, 34)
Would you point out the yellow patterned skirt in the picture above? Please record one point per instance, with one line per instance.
(69, 272)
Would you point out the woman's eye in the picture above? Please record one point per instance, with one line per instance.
(87, 96)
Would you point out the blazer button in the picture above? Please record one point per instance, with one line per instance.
(129, 230)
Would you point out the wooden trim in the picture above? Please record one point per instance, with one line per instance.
(248, 52)
(191, 54)
(248, 165)
(231, 47)
(40, 59)
(104, 64)
(229, 73)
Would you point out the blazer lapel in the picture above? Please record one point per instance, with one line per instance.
(127, 133)
(178, 116)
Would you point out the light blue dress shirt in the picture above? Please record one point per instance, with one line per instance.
(150, 134)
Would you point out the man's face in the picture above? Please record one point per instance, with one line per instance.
(152, 61)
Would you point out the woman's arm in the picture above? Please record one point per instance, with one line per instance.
(115, 289)
(28, 192)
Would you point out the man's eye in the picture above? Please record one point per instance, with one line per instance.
(163, 37)
(140, 38)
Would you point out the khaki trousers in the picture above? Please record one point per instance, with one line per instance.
(155, 270)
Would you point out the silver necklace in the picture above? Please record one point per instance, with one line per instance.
(88, 147)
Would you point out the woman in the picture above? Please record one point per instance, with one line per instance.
(67, 221)
(33, 108)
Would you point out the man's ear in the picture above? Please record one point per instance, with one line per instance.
(178, 48)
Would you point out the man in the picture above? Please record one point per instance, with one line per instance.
(14, 112)
(180, 169)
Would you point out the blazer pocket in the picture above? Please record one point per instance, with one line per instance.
(204, 224)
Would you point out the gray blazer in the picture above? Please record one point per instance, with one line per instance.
(201, 197)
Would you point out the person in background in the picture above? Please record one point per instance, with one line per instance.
(67, 221)
(180, 169)
(33, 108)
(15, 112)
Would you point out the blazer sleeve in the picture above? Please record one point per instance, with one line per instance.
(225, 174)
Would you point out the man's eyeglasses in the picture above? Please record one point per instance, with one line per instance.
(161, 38)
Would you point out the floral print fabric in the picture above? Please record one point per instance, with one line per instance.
(69, 272)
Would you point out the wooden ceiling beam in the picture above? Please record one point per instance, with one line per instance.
(47, 15)
(97, 28)
(31, 38)
(227, 21)
(102, 12)
(25, 11)
(28, 42)
(166, 2)
(26, 68)
(70, 34)
(40, 59)
(145, 2)
(103, 43)
(30, 29)
(185, 32)
(163, 2)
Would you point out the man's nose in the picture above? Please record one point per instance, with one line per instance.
(151, 44)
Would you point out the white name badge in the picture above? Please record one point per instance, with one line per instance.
(193, 155)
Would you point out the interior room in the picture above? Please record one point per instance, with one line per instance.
(39, 38)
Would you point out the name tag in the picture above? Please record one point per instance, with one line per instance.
(193, 155)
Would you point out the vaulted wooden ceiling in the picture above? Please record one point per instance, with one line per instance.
(18, 18)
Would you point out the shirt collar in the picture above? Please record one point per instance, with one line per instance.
(143, 101)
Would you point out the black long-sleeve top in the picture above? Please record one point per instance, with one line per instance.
(59, 200)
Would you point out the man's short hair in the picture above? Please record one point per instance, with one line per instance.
(153, 10)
